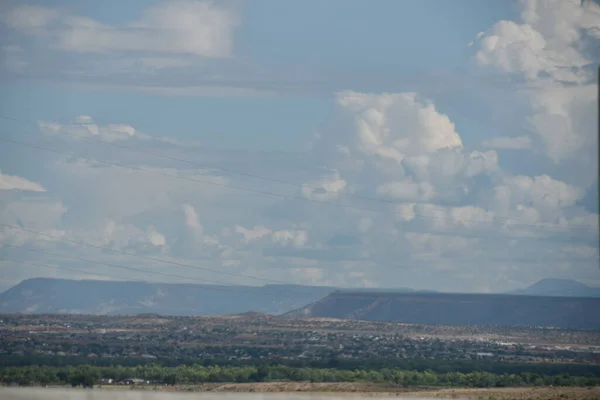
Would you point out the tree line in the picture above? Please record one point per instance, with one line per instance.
(415, 364)
(88, 376)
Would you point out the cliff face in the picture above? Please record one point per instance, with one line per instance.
(458, 309)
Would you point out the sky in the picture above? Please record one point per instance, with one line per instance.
(423, 144)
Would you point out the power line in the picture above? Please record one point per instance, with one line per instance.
(235, 172)
(122, 266)
(227, 170)
(305, 166)
(82, 243)
(146, 271)
(288, 197)
(207, 287)
(65, 269)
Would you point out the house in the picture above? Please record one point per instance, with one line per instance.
(133, 381)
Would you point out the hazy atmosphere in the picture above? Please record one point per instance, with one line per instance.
(445, 145)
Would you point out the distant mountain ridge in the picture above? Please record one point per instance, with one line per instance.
(560, 288)
(457, 309)
(63, 296)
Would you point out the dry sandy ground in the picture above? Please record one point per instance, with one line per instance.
(374, 390)
(548, 393)
(283, 390)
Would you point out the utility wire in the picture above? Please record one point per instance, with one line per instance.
(121, 266)
(146, 271)
(271, 194)
(82, 243)
(235, 172)
(227, 170)
(61, 268)
(207, 287)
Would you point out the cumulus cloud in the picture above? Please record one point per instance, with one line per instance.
(84, 127)
(11, 182)
(253, 234)
(198, 241)
(547, 41)
(391, 125)
(555, 49)
(437, 224)
(399, 147)
(294, 238)
(545, 195)
(324, 189)
(128, 236)
(428, 204)
(191, 219)
(200, 28)
(562, 116)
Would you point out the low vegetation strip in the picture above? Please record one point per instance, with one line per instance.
(416, 364)
(86, 375)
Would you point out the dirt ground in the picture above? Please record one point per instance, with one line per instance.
(371, 389)
(544, 393)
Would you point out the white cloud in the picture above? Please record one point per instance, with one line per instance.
(11, 182)
(405, 212)
(326, 188)
(562, 116)
(198, 241)
(471, 216)
(253, 234)
(85, 127)
(542, 190)
(393, 125)
(505, 142)
(191, 219)
(452, 195)
(537, 199)
(155, 237)
(547, 41)
(199, 28)
(554, 47)
(127, 236)
(294, 238)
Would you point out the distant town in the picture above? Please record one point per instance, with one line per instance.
(263, 337)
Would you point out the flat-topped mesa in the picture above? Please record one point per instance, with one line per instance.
(458, 309)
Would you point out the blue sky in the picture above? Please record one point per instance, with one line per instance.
(477, 115)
